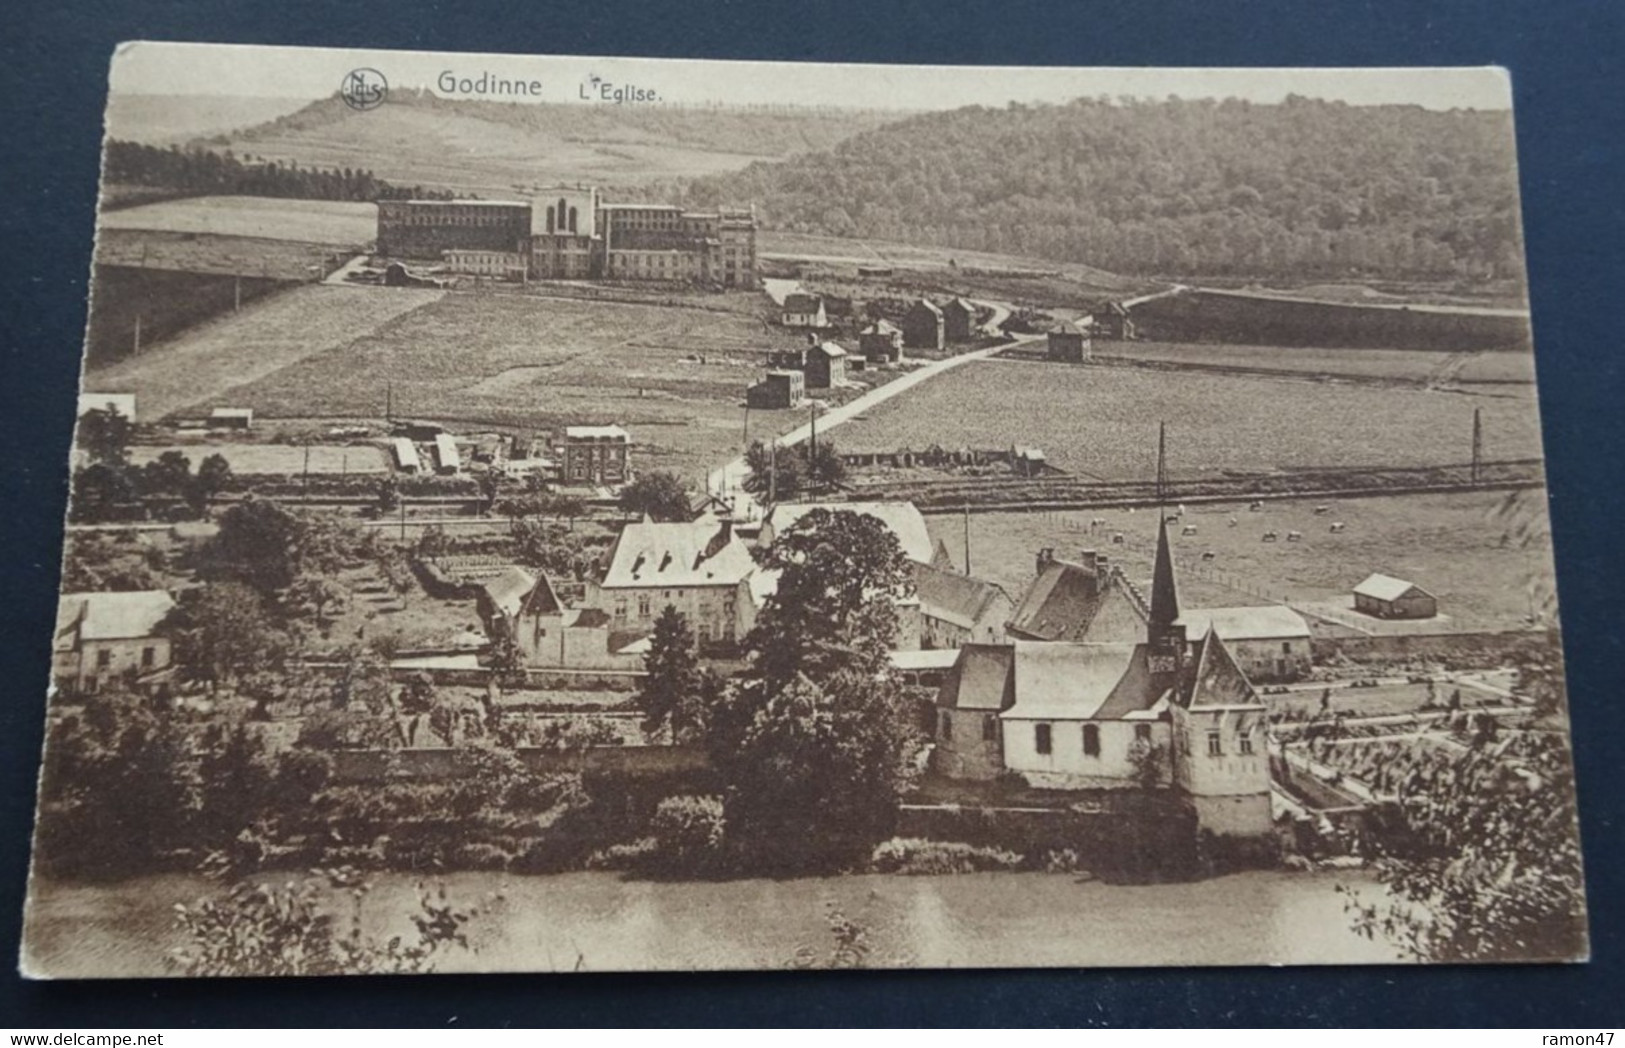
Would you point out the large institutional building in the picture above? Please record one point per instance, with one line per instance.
(570, 233)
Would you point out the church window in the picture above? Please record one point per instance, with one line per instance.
(1041, 739)
(990, 728)
(1142, 732)
(1215, 744)
(1091, 740)
(947, 727)
(1245, 744)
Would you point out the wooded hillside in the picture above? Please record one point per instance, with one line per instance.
(1304, 188)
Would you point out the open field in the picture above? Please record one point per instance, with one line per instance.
(1411, 366)
(201, 366)
(532, 362)
(283, 460)
(1101, 422)
(249, 257)
(331, 222)
(1449, 544)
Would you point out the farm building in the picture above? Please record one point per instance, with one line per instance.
(1069, 343)
(1112, 321)
(874, 272)
(231, 418)
(922, 326)
(1071, 599)
(117, 403)
(1269, 643)
(702, 568)
(1389, 598)
(446, 458)
(528, 609)
(594, 455)
(956, 609)
(103, 636)
(778, 389)
(958, 320)
(881, 342)
(826, 366)
(406, 456)
(804, 310)
(499, 598)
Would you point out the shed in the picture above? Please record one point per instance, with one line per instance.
(1388, 597)
(406, 456)
(447, 460)
(1069, 343)
(1112, 321)
(231, 418)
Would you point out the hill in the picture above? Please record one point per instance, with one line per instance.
(497, 148)
(1302, 189)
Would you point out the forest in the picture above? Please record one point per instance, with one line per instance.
(1305, 188)
(200, 172)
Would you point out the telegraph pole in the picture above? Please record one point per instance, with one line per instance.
(1478, 446)
(967, 538)
(1162, 463)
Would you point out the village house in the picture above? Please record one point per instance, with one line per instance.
(881, 343)
(1156, 713)
(594, 455)
(778, 389)
(701, 567)
(958, 320)
(101, 637)
(826, 366)
(1269, 642)
(1069, 599)
(527, 608)
(804, 310)
(1068, 343)
(1389, 598)
(231, 418)
(956, 609)
(922, 326)
(1112, 321)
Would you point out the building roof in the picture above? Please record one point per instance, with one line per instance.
(1164, 586)
(232, 413)
(122, 403)
(831, 350)
(1064, 601)
(704, 552)
(1069, 681)
(1386, 587)
(1065, 327)
(110, 616)
(1266, 622)
(882, 327)
(955, 598)
(543, 599)
(980, 679)
(802, 302)
(1215, 680)
(903, 518)
(925, 659)
(462, 203)
(596, 433)
(507, 591)
(960, 304)
(927, 305)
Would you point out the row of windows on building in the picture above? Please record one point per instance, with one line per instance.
(476, 218)
(1044, 737)
(149, 658)
(704, 628)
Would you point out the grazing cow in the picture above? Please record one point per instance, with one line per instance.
(1322, 508)
(1209, 555)
(1294, 536)
(1337, 527)
(1117, 539)
(1256, 507)
(1098, 522)
(1270, 536)
(1233, 522)
(1172, 518)
(1189, 529)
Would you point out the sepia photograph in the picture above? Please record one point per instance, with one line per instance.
(551, 514)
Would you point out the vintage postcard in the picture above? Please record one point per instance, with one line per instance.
(567, 514)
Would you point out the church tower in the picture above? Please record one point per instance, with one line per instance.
(1166, 644)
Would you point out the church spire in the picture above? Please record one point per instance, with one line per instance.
(1165, 634)
(1164, 590)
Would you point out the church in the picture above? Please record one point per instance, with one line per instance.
(1161, 711)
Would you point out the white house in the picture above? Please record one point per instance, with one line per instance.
(103, 636)
(700, 567)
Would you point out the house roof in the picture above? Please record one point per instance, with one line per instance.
(955, 598)
(110, 616)
(1068, 681)
(960, 304)
(704, 552)
(927, 305)
(1216, 680)
(1386, 587)
(543, 599)
(980, 679)
(507, 591)
(1267, 622)
(832, 350)
(122, 403)
(1065, 327)
(596, 433)
(925, 659)
(802, 302)
(1061, 602)
(903, 518)
(882, 327)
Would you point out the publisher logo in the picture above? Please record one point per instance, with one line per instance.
(364, 89)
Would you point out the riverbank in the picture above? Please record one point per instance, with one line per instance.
(601, 921)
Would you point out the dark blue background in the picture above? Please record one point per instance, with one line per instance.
(1565, 61)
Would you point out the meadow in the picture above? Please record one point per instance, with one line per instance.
(1406, 366)
(335, 223)
(1101, 422)
(1451, 544)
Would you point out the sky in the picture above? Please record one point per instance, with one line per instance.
(147, 68)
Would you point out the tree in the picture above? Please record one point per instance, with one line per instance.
(772, 471)
(315, 594)
(213, 476)
(223, 632)
(670, 694)
(105, 436)
(258, 543)
(103, 492)
(658, 494)
(1482, 860)
(824, 467)
(168, 474)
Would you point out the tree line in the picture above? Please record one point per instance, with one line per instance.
(1302, 188)
(201, 172)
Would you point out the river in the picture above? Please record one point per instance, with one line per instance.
(604, 922)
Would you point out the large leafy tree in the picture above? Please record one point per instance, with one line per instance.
(670, 694)
(223, 634)
(814, 739)
(659, 494)
(775, 472)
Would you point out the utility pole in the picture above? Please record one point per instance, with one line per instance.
(967, 538)
(304, 483)
(389, 402)
(1162, 464)
(401, 498)
(773, 472)
(1478, 446)
(812, 450)
(136, 350)
(237, 293)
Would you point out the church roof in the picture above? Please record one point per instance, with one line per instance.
(1266, 622)
(508, 590)
(1066, 600)
(1164, 588)
(1067, 681)
(980, 679)
(1214, 679)
(955, 598)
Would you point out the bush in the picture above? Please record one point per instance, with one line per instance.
(688, 833)
(915, 857)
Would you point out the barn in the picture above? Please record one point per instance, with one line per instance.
(1387, 597)
(1068, 342)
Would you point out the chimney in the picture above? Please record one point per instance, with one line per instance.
(1090, 560)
